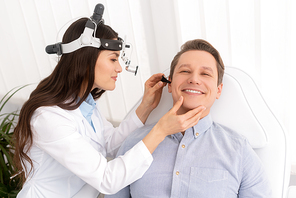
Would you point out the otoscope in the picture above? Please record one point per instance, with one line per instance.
(163, 79)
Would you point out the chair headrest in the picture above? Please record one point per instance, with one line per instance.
(238, 107)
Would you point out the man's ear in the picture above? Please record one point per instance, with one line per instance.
(219, 90)
(170, 85)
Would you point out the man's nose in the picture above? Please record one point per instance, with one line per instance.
(194, 79)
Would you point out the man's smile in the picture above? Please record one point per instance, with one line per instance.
(193, 91)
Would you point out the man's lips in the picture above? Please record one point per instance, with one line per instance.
(194, 91)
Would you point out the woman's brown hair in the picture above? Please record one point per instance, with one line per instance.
(72, 77)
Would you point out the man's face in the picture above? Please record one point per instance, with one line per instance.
(195, 78)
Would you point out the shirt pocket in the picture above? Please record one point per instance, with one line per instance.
(207, 182)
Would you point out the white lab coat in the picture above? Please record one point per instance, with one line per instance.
(67, 154)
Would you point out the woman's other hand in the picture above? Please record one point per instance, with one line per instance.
(151, 98)
(172, 123)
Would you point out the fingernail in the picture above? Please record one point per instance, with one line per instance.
(180, 98)
(160, 83)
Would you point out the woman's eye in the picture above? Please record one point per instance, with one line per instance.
(114, 60)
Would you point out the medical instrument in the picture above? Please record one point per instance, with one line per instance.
(163, 79)
(126, 60)
(88, 39)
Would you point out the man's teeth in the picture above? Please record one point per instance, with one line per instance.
(192, 91)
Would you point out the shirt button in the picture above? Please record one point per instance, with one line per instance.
(197, 134)
(183, 146)
(177, 173)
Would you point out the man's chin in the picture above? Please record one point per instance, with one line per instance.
(190, 107)
(184, 109)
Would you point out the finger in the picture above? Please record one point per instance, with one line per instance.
(193, 119)
(193, 112)
(154, 79)
(157, 77)
(177, 105)
(157, 86)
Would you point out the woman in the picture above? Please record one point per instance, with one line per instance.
(61, 137)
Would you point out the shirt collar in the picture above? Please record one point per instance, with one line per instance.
(201, 127)
(87, 106)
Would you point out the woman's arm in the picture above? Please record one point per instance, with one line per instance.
(57, 134)
(151, 98)
(152, 94)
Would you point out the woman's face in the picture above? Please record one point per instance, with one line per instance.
(106, 70)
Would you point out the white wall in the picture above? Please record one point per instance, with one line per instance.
(256, 36)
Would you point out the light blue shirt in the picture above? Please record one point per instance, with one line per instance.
(87, 107)
(209, 161)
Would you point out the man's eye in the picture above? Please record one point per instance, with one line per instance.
(184, 71)
(206, 74)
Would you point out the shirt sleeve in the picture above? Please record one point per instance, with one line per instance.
(123, 193)
(56, 133)
(115, 136)
(254, 182)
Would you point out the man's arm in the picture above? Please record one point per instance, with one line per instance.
(254, 179)
(124, 193)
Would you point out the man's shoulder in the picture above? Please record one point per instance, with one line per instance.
(228, 133)
(135, 137)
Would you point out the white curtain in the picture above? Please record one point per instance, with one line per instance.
(257, 36)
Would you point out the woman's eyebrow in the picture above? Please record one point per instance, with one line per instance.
(114, 53)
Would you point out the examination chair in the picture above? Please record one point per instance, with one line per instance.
(242, 108)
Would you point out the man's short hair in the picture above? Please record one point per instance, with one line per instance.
(202, 45)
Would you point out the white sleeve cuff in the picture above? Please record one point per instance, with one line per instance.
(136, 119)
(144, 150)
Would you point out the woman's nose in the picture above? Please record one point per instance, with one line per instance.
(118, 68)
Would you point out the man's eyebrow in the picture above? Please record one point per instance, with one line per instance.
(203, 67)
(184, 65)
(208, 68)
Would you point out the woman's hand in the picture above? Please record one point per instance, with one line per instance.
(151, 98)
(172, 123)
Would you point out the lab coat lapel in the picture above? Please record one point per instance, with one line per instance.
(99, 126)
(87, 130)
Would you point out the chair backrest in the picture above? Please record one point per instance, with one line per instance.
(242, 108)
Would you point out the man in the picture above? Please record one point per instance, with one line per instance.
(207, 160)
